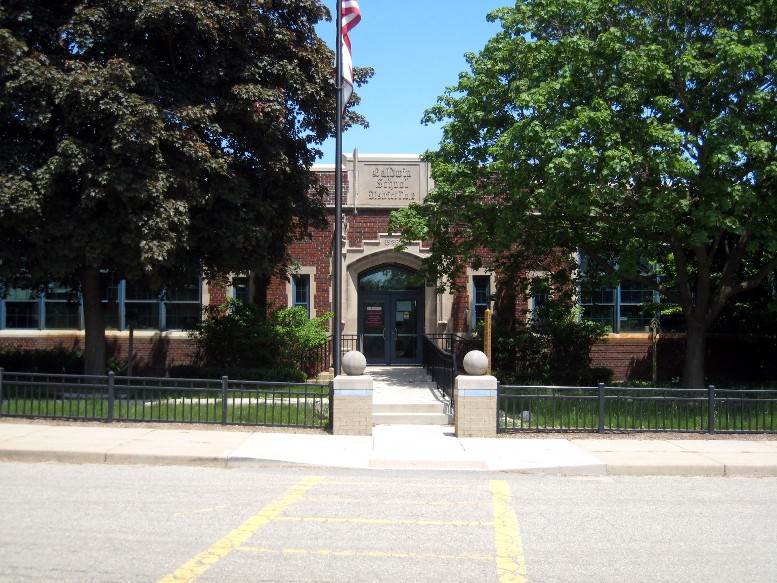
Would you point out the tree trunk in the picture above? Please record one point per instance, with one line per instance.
(261, 283)
(695, 348)
(94, 323)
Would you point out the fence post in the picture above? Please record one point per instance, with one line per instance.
(1, 391)
(111, 395)
(601, 407)
(711, 409)
(330, 425)
(224, 386)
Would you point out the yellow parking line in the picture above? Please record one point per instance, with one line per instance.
(352, 553)
(510, 562)
(369, 486)
(337, 520)
(393, 501)
(190, 570)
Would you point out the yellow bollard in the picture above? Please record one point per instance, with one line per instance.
(487, 339)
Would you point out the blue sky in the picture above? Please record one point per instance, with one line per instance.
(417, 49)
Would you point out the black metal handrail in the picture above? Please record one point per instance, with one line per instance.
(453, 344)
(442, 366)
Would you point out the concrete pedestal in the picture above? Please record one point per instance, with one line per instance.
(474, 400)
(352, 405)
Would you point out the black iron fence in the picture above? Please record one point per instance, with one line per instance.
(115, 398)
(320, 358)
(600, 409)
(441, 365)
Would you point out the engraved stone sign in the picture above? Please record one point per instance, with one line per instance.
(391, 183)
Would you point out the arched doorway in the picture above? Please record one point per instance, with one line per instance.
(391, 315)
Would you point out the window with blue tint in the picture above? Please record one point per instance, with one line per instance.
(481, 294)
(300, 291)
(627, 307)
(122, 303)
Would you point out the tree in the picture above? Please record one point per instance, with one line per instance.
(157, 140)
(637, 132)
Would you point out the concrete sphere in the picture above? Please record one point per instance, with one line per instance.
(476, 363)
(353, 363)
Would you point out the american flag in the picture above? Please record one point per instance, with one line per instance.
(351, 17)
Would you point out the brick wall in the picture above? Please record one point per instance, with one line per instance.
(729, 358)
(627, 357)
(218, 292)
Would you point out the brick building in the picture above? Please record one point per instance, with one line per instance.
(383, 305)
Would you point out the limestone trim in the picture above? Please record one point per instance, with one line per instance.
(471, 273)
(376, 255)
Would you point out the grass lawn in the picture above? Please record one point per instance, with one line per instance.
(271, 409)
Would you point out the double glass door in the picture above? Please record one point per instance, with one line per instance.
(391, 324)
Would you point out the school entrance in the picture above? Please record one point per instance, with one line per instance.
(391, 315)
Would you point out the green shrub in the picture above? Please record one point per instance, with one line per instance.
(555, 348)
(57, 360)
(236, 335)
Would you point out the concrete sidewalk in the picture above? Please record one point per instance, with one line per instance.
(403, 447)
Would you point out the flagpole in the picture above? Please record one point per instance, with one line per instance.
(337, 254)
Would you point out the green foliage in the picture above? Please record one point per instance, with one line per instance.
(555, 348)
(629, 130)
(255, 337)
(159, 138)
(54, 360)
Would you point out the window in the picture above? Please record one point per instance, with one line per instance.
(22, 309)
(240, 289)
(481, 288)
(619, 309)
(182, 307)
(62, 309)
(123, 303)
(540, 293)
(631, 302)
(111, 300)
(141, 307)
(389, 278)
(300, 291)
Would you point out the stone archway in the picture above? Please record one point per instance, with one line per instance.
(390, 315)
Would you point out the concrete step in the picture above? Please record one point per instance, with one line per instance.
(411, 419)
